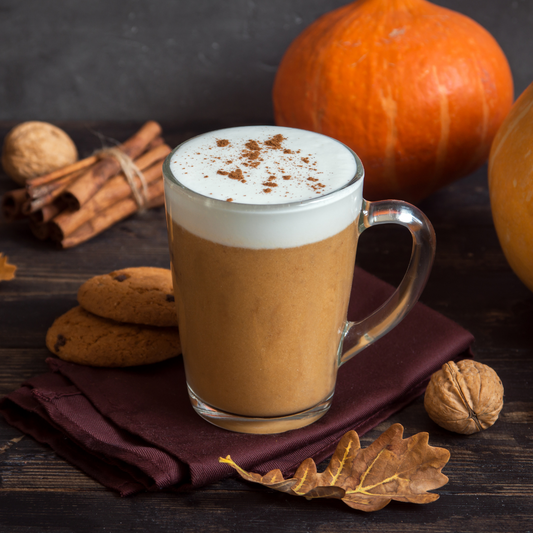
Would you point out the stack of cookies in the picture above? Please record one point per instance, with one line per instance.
(125, 318)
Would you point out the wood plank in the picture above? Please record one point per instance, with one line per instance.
(225, 511)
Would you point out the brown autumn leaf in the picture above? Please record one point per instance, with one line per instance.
(7, 271)
(391, 468)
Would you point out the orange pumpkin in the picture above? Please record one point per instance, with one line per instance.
(416, 90)
(511, 186)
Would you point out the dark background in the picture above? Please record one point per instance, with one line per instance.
(187, 62)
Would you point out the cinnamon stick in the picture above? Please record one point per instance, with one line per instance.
(59, 173)
(154, 143)
(46, 213)
(113, 214)
(12, 202)
(35, 192)
(158, 153)
(86, 186)
(114, 190)
(54, 191)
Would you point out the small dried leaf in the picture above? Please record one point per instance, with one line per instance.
(7, 271)
(391, 468)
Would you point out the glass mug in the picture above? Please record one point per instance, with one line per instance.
(262, 284)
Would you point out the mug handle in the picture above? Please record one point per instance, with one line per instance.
(359, 335)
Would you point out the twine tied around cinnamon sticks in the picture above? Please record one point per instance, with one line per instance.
(130, 170)
(77, 202)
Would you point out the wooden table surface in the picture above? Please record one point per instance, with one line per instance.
(491, 473)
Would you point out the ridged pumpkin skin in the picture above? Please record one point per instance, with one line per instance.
(416, 90)
(511, 186)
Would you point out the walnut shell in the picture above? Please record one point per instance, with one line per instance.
(465, 397)
(35, 148)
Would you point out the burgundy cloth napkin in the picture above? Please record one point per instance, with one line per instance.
(134, 429)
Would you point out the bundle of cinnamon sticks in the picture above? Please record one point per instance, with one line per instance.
(73, 204)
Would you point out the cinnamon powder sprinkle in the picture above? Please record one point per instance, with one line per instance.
(251, 155)
(275, 142)
(236, 175)
(252, 145)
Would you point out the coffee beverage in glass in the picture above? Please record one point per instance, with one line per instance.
(263, 224)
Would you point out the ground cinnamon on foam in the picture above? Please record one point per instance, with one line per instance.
(252, 145)
(275, 142)
(237, 175)
(251, 157)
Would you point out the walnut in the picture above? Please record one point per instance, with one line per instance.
(465, 397)
(35, 148)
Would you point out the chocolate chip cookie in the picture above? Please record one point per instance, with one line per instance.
(82, 337)
(139, 295)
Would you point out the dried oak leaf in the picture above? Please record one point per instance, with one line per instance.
(391, 468)
(7, 271)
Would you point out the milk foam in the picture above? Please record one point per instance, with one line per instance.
(287, 188)
(303, 166)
